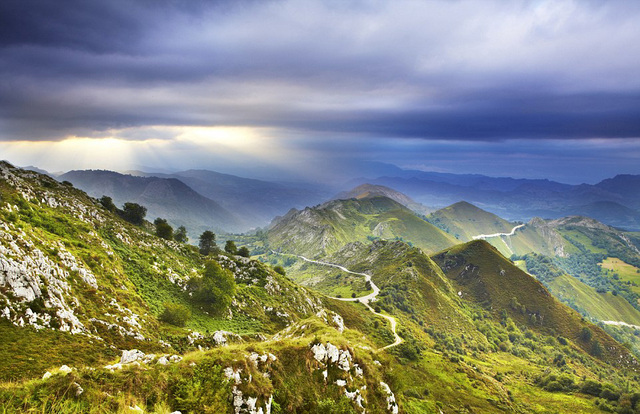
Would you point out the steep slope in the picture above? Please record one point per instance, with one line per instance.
(485, 277)
(256, 201)
(371, 190)
(167, 198)
(82, 283)
(464, 221)
(326, 228)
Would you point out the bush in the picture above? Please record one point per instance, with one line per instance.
(215, 288)
(207, 242)
(280, 270)
(585, 334)
(609, 393)
(181, 235)
(591, 387)
(107, 203)
(175, 314)
(554, 386)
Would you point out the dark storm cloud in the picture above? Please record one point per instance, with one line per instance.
(434, 70)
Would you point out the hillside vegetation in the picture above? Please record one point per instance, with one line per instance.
(99, 315)
(324, 229)
(465, 221)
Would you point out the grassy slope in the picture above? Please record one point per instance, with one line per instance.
(491, 280)
(133, 269)
(465, 220)
(326, 228)
(625, 272)
(601, 306)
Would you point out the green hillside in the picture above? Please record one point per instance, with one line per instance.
(465, 221)
(90, 283)
(586, 300)
(88, 323)
(326, 228)
(494, 282)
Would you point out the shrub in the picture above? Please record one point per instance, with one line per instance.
(591, 387)
(207, 242)
(215, 288)
(107, 203)
(175, 314)
(585, 334)
(609, 393)
(180, 235)
(596, 349)
(280, 270)
(230, 247)
(554, 386)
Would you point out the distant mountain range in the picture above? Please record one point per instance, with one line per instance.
(254, 203)
(167, 198)
(614, 201)
(257, 202)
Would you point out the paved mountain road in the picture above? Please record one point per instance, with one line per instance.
(486, 236)
(365, 300)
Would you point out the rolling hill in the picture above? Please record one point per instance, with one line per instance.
(521, 199)
(465, 221)
(324, 229)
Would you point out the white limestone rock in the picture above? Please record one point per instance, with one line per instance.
(131, 356)
(65, 369)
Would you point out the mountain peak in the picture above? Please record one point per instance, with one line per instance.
(466, 221)
(368, 190)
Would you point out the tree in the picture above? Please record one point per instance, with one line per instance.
(175, 314)
(163, 229)
(280, 270)
(134, 213)
(207, 242)
(107, 203)
(215, 288)
(180, 235)
(244, 252)
(230, 247)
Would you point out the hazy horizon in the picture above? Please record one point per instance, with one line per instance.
(313, 90)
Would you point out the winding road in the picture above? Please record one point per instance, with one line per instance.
(486, 236)
(365, 300)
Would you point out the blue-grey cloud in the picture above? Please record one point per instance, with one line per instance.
(463, 70)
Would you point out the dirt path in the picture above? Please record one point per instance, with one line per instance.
(365, 300)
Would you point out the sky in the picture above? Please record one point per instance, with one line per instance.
(316, 89)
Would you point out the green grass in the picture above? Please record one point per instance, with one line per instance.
(28, 353)
(625, 272)
(601, 306)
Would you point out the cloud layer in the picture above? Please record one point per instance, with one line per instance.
(464, 71)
